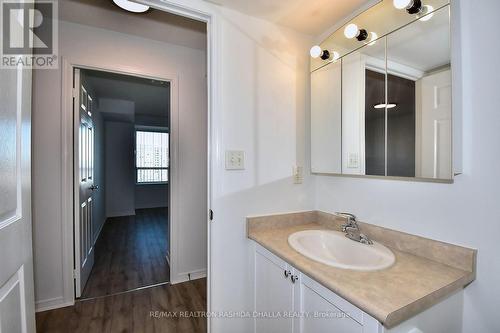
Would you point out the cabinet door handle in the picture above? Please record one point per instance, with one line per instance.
(294, 278)
(287, 273)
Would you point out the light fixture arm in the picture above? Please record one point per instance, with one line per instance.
(325, 55)
(362, 35)
(415, 7)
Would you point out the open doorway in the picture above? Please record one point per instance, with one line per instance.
(100, 41)
(122, 188)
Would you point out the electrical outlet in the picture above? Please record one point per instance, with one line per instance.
(235, 160)
(297, 174)
(352, 160)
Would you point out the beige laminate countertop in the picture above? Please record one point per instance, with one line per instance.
(413, 284)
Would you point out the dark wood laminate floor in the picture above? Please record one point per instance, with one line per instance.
(132, 312)
(130, 253)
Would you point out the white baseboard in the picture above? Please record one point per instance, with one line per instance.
(51, 304)
(189, 276)
(121, 213)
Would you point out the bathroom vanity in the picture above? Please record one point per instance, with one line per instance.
(381, 107)
(421, 292)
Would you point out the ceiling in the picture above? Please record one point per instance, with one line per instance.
(154, 24)
(312, 17)
(151, 97)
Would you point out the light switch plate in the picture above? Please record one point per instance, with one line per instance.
(235, 160)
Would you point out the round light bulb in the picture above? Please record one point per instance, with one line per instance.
(351, 30)
(401, 4)
(131, 6)
(373, 38)
(425, 16)
(315, 51)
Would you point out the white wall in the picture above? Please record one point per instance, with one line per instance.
(135, 54)
(123, 195)
(119, 165)
(264, 97)
(468, 211)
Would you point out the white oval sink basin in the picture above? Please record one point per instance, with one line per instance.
(334, 249)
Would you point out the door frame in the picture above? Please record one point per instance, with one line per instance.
(69, 147)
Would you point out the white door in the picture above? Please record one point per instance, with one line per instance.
(84, 182)
(17, 306)
(433, 158)
(273, 293)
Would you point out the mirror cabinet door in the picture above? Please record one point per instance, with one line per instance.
(326, 119)
(419, 86)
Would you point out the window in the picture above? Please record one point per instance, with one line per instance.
(151, 156)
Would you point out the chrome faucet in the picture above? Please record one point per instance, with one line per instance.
(351, 229)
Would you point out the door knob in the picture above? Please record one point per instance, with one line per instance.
(94, 187)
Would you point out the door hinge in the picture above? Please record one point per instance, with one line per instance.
(73, 91)
(74, 274)
(210, 215)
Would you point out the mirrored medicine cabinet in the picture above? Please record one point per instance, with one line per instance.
(381, 106)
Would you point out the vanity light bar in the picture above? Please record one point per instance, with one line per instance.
(352, 30)
(317, 52)
(415, 7)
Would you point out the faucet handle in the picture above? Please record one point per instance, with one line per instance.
(346, 226)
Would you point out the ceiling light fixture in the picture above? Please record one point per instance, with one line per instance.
(352, 30)
(412, 6)
(317, 52)
(383, 106)
(131, 6)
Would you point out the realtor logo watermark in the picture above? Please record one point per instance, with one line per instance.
(29, 34)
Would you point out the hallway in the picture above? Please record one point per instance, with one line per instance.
(130, 253)
(132, 312)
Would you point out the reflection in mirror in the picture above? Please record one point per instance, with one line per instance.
(363, 110)
(419, 85)
(326, 119)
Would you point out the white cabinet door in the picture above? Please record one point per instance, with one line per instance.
(323, 311)
(273, 293)
(293, 302)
